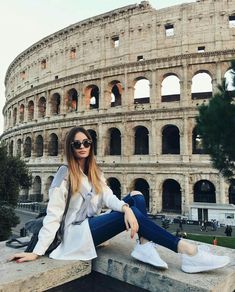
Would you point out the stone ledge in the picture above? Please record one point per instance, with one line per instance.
(38, 275)
(115, 261)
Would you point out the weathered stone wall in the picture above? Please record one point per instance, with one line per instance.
(84, 54)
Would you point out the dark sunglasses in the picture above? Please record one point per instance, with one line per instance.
(77, 144)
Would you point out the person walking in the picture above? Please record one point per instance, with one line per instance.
(86, 228)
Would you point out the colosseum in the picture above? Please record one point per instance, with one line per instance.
(134, 77)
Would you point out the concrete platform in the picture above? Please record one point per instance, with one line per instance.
(38, 275)
(115, 261)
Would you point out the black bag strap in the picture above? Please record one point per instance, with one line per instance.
(61, 228)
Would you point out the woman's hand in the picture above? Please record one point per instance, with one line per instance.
(130, 220)
(24, 257)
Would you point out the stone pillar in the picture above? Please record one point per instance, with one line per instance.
(48, 104)
(185, 196)
(158, 90)
(152, 141)
(185, 88)
(221, 196)
(102, 101)
(35, 100)
(153, 90)
(100, 146)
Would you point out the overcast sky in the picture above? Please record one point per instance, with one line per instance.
(24, 22)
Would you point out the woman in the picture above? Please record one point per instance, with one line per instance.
(84, 230)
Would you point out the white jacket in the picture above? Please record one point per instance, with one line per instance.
(77, 243)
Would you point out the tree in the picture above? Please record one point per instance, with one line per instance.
(13, 175)
(216, 127)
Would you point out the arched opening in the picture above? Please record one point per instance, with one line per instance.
(42, 107)
(142, 185)
(94, 139)
(141, 140)
(201, 86)
(141, 91)
(47, 187)
(171, 196)
(53, 145)
(11, 147)
(229, 81)
(27, 147)
(170, 90)
(39, 146)
(114, 141)
(231, 192)
(115, 186)
(30, 110)
(37, 190)
(21, 116)
(94, 97)
(18, 147)
(197, 143)
(204, 191)
(170, 140)
(72, 100)
(116, 93)
(55, 104)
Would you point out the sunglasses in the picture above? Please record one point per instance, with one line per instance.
(77, 144)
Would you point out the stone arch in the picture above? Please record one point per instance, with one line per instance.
(115, 143)
(72, 100)
(37, 189)
(170, 88)
(42, 107)
(94, 139)
(201, 85)
(53, 146)
(116, 93)
(27, 147)
(47, 186)
(18, 147)
(231, 192)
(39, 146)
(55, 103)
(21, 115)
(170, 140)
(229, 77)
(30, 110)
(142, 185)
(171, 196)
(197, 144)
(92, 96)
(141, 145)
(115, 186)
(204, 191)
(11, 148)
(141, 90)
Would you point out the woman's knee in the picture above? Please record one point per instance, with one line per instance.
(135, 193)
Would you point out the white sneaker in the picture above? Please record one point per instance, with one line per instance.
(203, 261)
(147, 253)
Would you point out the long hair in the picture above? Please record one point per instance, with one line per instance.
(91, 168)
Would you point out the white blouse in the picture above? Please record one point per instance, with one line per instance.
(77, 242)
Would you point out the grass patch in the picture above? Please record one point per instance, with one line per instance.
(221, 240)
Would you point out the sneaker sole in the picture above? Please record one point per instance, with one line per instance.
(202, 269)
(137, 257)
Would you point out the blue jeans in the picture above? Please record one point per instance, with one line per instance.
(106, 226)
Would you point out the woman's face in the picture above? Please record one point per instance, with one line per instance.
(81, 146)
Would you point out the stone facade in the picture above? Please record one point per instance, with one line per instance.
(87, 74)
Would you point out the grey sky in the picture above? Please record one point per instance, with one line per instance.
(24, 22)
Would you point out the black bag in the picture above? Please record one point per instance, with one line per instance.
(35, 226)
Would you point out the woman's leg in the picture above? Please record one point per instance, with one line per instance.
(106, 226)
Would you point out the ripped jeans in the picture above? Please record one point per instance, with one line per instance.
(106, 226)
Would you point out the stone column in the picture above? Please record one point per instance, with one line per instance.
(185, 87)
(158, 90)
(153, 90)
(48, 104)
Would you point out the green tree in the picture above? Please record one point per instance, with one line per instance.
(13, 175)
(216, 127)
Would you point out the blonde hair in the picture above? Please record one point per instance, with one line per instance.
(91, 168)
